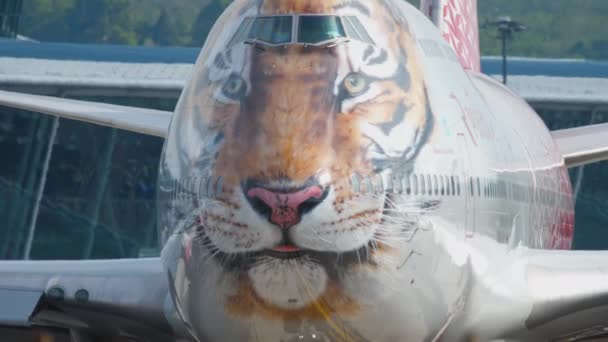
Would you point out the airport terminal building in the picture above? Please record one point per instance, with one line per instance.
(71, 190)
(10, 14)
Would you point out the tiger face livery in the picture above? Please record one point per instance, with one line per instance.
(295, 139)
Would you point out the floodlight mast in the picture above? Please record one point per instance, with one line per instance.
(506, 28)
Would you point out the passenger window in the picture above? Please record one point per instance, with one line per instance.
(520, 194)
(355, 183)
(273, 30)
(436, 185)
(369, 186)
(378, 186)
(448, 190)
(471, 188)
(541, 195)
(422, 184)
(314, 29)
(486, 191)
(414, 182)
(397, 184)
(453, 186)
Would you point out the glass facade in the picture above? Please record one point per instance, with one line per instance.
(10, 12)
(72, 190)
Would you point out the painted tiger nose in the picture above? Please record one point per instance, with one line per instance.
(284, 208)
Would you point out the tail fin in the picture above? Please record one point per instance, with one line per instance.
(457, 20)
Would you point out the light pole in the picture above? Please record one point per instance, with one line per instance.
(506, 27)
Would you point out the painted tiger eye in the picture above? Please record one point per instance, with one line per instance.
(355, 84)
(234, 88)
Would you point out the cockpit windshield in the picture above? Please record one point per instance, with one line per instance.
(307, 29)
(315, 29)
(273, 30)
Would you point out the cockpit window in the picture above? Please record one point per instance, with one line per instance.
(311, 29)
(273, 30)
(361, 30)
(241, 33)
(350, 30)
(315, 29)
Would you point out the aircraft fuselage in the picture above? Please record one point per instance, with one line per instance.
(332, 173)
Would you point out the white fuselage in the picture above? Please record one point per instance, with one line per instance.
(488, 181)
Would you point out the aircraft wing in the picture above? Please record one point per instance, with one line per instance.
(545, 295)
(113, 298)
(583, 145)
(140, 120)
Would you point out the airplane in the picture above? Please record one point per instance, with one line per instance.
(338, 171)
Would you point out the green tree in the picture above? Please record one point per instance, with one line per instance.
(164, 31)
(102, 21)
(556, 28)
(45, 19)
(205, 20)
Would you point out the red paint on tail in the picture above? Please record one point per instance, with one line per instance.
(457, 20)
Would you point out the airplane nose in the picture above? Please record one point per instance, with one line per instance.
(284, 207)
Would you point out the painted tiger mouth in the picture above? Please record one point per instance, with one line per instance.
(286, 252)
(243, 261)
